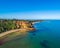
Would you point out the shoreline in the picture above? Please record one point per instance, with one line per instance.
(16, 30)
(13, 34)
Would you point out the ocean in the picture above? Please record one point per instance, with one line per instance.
(46, 35)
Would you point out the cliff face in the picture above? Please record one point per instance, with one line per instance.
(23, 24)
(6, 25)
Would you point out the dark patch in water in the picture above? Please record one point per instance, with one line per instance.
(35, 31)
(45, 44)
(34, 34)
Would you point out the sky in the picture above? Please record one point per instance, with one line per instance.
(30, 9)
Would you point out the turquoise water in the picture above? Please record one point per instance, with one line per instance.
(48, 31)
(46, 35)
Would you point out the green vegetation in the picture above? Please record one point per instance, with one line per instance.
(10, 24)
(6, 25)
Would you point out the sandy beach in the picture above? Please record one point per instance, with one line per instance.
(16, 30)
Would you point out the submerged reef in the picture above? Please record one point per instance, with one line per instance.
(45, 44)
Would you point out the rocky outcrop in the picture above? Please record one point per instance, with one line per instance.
(24, 24)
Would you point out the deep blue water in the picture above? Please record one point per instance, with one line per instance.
(46, 35)
(46, 31)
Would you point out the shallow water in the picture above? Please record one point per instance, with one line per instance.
(46, 35)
